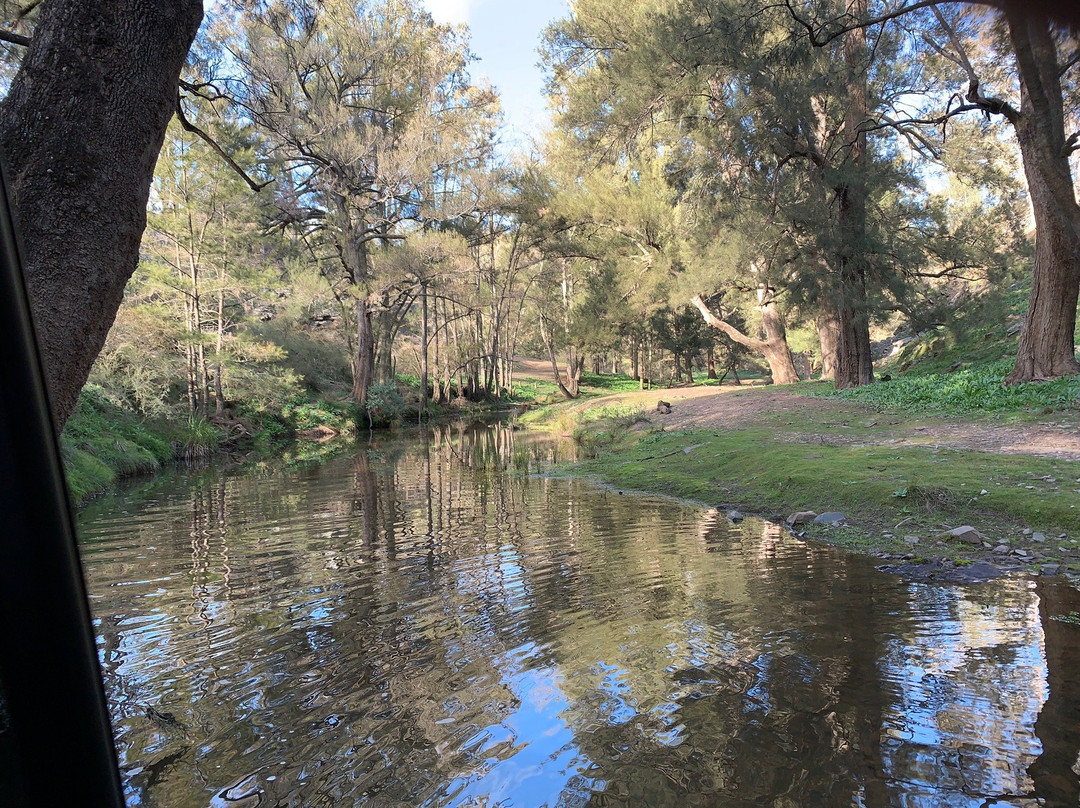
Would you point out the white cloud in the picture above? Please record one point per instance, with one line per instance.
(451, 11)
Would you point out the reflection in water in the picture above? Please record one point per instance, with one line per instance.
(426, 623)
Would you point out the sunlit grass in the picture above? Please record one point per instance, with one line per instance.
(976, 388)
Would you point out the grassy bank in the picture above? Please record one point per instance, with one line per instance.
(845, 454)
(103, 441)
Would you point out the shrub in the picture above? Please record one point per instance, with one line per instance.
(384, 406)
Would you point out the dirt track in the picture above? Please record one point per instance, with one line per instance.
(733, 407)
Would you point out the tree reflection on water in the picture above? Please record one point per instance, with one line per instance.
(431, 622)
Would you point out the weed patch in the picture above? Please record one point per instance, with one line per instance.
(978, 388)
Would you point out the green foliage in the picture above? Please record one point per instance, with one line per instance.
(536, 391)
(102, 441)
(195, 439)
(303, 414)
(969, 389)
(318, 358)
(385, 405)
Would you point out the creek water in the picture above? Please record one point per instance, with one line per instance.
(430, 622)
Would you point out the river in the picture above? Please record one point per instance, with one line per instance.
(433, 621)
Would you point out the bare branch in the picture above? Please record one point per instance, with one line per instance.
(25, 10)
(845, 27)
(14, 39)
(719, 324)
(1071, 144)
(195, 130)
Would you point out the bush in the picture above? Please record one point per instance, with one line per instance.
(384, 406)
(196, 439)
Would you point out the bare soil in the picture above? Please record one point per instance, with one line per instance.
(840, 423)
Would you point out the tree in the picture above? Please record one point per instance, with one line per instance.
(774, 347)
(80, 129)
(370, 106)
(760, 107)
(1042, 60)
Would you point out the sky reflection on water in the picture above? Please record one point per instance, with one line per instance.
(427, 624)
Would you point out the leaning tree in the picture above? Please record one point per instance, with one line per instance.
(80, 131)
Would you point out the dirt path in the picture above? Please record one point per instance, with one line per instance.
(842, 423)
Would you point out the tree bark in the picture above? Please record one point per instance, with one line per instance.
(364, 361)
(774, 347)
(80, 130)
(423, 349)
(549, 341)
(1046, 349)
(854, 365)
(828, 329)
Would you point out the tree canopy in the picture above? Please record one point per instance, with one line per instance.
(333, 209)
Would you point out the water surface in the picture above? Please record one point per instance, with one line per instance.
(430, 623)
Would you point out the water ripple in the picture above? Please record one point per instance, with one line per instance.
(412, 626)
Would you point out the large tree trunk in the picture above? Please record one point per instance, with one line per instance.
(828, 329)
(80, 130)
(424, 338)
(364, 361)
(854, 365)
(1046, 348)
(774, 347)
(575, 363)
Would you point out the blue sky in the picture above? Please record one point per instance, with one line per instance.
(505, 35)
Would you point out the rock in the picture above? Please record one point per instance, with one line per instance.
(1063, 535)
(1026, 531)
(1038, 537)
(801, 518)
(887, 536)
(941, 571)
(983, 493)
(1001, 549)
(830, 518)
(911, 539)
(734, 516)
(965, 533)
(1050, 569)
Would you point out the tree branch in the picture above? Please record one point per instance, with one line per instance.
(190, 127)
(719, 324)
(14, 39)
(886, 17)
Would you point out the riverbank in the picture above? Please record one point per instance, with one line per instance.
(901, 479)
(103, 442)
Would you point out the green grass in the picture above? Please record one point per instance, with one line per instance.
(608, 383)
(969, 389)
(877, 487)
(536, 391)
(101, 442)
